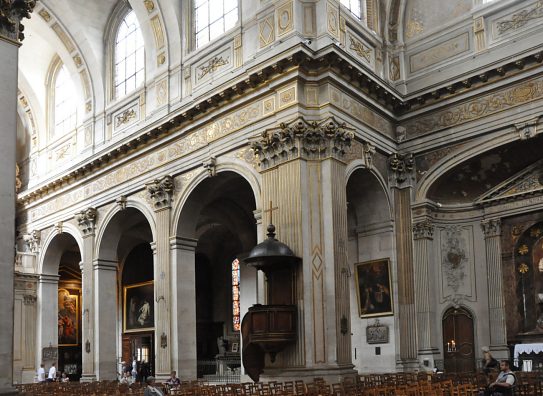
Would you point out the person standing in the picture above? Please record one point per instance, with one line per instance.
(504, 383)
(52, 373)
(41, 373)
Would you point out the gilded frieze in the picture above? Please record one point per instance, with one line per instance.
(360, 49)
(284, 18)
(212, 66)
(439, 53)
(521, 18)
(266, 31)
(478, 108)
(245, 154)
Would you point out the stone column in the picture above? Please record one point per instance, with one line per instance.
(401, 178)
(426, 326)
(29, 351)
(161, 191)
(303, 174)
(183, 285)
(105, 319)
(10, 34)
(86, 220)
(48, 322)
(496, 305)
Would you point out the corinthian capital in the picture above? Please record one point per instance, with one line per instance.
(302, 139)
(161, 192)
(402, 169)
(11, 14)
(491, 228)
(86, 219)
(423, 230)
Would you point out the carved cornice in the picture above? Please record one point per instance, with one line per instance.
(401, 170)
(86, 219)
(491, 228)
(302, 139)
(11, 14)
(161, 192)
(32, 240)
(423, 230)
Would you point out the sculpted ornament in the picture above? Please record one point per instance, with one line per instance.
(423, 230)
(11, 14)
(32, 240)
(86, 219)
(161, 191)
(491, 228)
(401, 167)
(302, 139)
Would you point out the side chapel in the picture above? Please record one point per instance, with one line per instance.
(147, 145)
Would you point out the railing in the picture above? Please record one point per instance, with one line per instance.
(222, 370)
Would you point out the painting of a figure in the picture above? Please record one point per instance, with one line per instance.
(374, 289)
(138, 307)
(67, 318)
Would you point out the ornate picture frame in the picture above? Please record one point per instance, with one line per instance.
(138, 307)
(374, 288)
(68, 318)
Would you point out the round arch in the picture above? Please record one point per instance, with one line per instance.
(51, 254)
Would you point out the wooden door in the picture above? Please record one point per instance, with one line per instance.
(458, 348)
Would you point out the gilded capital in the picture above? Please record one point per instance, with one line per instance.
(312, 140)
(401, 169)
(491, 228)
(86, 219)
(11, 14)
(423, 230)
(161, 192)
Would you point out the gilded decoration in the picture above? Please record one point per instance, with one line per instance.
(302, 139)
(394, 68)
(162, 92)
(478, 108)
(332, 20)
(413, 29)
(521, 19)
(160, 192)
(158, 33)
(266, 32)
(246, 154)
(77, 60)
(361, 50)
(11, 14)
(284, 19)
(125, 117)
(212, 66)
(86, 220)
(439, 53)
(45, 15)
(63, 37)
(401, 167)
(18, 182)
(149, 5)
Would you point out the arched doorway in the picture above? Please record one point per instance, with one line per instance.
(60, 307)
(458, 339)
(218, 216)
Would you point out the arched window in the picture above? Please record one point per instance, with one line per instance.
(355, 6)
(129, 56)
(65, 110)
(212, 18)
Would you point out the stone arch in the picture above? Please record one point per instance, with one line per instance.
(52, 247)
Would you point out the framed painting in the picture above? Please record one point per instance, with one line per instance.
(374, 288)
(138, 307)
(68, 320)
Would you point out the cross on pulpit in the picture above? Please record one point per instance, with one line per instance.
(271, 209)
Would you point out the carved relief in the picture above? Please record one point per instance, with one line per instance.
(360, 49)
(238, 51)
(454, 258)
(302, 139)
(284, 19)
(478, 108)
(439, 53)
(213, 65)
(401, 167)
(527, 130)
(86, 220)
(266, 34)
(161, 192)
(63, 37)
(32, 241)
(332, 20)
(162, 92)
(479, 33)
(29, 299)
(413, 28)
(210, 166)
(394, 68)
(121, 202)
(521, 19)
(423, 230)
(158, 33)
(491, 228)
(45, 15)
(149, 5)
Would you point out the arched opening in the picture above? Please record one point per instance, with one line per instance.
(124, 274)
(370, 252)
(60, 292)
(218, 215)
(458, 339)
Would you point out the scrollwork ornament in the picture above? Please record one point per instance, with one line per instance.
(161, 192)
(423, 230)
(402, 168)
(11, 14)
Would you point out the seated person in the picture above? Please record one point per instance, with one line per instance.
(127, 378)
(504, 383)
(173, 381)
(151, 389)
(64, 377)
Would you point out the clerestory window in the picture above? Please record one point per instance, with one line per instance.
(212, 18)
(65, 107)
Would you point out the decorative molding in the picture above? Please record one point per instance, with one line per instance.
(527, 130)
(491, 228)
(332, 19)
(302, 139)
(394, 68)
(238, 51)
(158, 33)
(121, 202)
(377, 333)
(266, 31)
(522, 18)
(63, 36)
(439, 53)
(45, 15)
(369, 152)
(401, 167)
(161, 192)
(32, 240)
(210, 166)
(284, 18)
(125, 117)
(423, 230)
(11, 14)
(479, 33)
(29, 299)
(58, 227)
(454, 258)
(361, 50)
(86, 220)
(212, 66)
(149, 5)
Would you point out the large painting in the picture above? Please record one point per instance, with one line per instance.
(138, 307)
(374, 289)
(68, 321)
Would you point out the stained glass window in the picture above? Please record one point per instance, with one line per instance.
(236, 324)
(129, 56)
(355, 6)
(212, 18)
(65, 103)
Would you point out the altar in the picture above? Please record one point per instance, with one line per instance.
(529, 356)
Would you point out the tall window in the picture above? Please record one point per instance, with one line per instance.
(355, 6)
(129, 56)
(213, 18)
(236, 324)
(65, 103)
